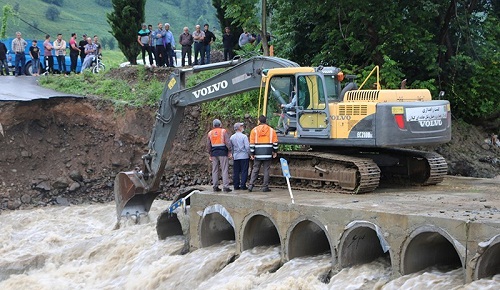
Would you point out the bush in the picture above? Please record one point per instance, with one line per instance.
(52, 13)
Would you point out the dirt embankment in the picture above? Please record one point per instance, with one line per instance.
(62, 151)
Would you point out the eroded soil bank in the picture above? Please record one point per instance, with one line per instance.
(68, 151)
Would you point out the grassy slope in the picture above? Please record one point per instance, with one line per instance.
(85, 16)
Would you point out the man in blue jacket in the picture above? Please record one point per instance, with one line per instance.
(158, 38)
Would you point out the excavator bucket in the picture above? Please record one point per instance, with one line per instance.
(131, 195)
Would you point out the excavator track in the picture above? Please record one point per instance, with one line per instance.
(319, 170)
(403, 166)
(360, 171)
(414, 167)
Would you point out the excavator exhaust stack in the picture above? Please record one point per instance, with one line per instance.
(132, 195)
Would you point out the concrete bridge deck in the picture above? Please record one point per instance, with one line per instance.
(455, 224)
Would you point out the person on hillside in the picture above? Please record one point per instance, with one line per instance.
(263, 148)
(151, 41)
(60, 49)
(228, 43)
(74, 52)
(3, 59)
(169, 46)
(159, 35)
(90, 53)
(241, 155)
(98, 45)
(198, 37)
(219, 149)
(81, 46)
(143, 38)
(245, 37)
(47, 55)
(186, 41)
(19, 46)
(35, 58)
(207, 42)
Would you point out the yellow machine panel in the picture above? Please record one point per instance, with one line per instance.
(311, 121)
(345, 116)
(379, 96)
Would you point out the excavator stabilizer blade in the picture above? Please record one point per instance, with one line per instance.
(131, 194)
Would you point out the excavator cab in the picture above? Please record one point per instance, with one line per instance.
(297, 103)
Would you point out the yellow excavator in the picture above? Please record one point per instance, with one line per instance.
(348, 138)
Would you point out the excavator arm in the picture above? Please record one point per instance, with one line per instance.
(136, 190)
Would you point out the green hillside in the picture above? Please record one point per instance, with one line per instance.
(86, 16)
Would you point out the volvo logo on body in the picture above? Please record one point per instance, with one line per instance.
(431, 123)
(341, 117)
(210, 89)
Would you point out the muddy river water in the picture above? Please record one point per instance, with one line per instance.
(76, 247)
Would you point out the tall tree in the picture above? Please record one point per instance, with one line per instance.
(242, 13)
(7, 11)
(125, 21)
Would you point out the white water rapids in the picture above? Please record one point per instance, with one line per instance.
(75, 247)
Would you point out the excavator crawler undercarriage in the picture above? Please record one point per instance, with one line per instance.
(360, 171)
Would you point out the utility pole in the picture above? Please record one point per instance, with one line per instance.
(263, 33)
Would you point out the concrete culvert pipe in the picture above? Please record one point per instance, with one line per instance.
(360, 244)
(214, 229)
(259, 231)
(307, 239)
(168, 225)
(488, 263)
(426, 249)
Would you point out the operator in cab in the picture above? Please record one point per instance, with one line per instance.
(288, 111)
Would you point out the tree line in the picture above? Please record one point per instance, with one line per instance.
(448, 45)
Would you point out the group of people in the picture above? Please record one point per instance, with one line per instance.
(86, 49)
(161, 44)
(261, 148)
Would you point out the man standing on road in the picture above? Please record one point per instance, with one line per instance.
(3, 59)
(47, 54)
(143, 38)
(81, 46)
(159, 35)
(74, 51)
(228, 43)
(219, 147)
(18, 46)
(263, 148)
(169, 46)
(60, 47)
(186, 41)
(198, 37)
(98, 45)
(209, 38)
(241, 151)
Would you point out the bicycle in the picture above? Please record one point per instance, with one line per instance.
(97, 64)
